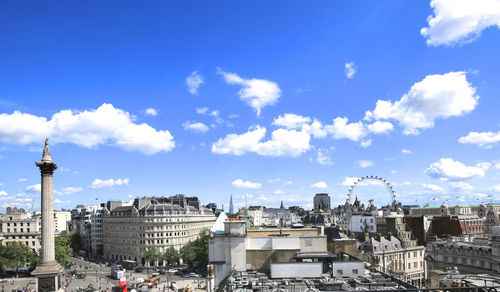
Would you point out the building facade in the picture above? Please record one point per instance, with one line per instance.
(321, 202)
(128, 231)
(21, 227)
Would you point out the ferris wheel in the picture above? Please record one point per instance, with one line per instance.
(371, 178)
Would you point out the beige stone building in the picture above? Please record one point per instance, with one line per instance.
(22, 227)
(128, 231)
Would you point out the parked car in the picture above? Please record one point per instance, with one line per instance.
(193, 275)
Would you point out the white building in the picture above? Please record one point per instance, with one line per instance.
(61, 222)
(363, 223)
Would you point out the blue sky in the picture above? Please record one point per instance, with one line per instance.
(277, 100)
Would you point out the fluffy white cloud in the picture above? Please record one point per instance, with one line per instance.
(323, 158)
(104, 125)
(349, 180)
(380, 127)
(99, 183)
(279, 192)
(481, 139)
(350, 70)
(497, 165)
(70, 190)
(448, 169)
(22, 179)
(320, 185)
(202, 110)
(239, 183)
(34, 188)
(366, 143)
(341, 129)
(460, 21)
(282, 143)
(365, 163)
(460, 186)
(195, 126)
(193, 81)
(257, 93)
(436, 96)
(406, 151)
(3, 193)
(291, 121)
(151, 112)
(289, 182)
(434, 188)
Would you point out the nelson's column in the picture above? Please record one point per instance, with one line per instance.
(48, 270)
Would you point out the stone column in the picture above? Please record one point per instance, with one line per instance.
(48, 270)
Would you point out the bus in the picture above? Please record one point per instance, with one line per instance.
(129, 265)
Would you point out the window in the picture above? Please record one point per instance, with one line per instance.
(355, 271)
(414, 254)
(420, 253)
(409, 266)
(340, 272)
(415, 264)
(408, 255)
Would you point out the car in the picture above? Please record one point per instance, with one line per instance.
(138, 269)
(193, 275)
(161, 271)
(172, 271)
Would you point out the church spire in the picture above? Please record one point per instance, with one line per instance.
(231, 205)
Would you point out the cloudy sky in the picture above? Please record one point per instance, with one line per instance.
(265, 100)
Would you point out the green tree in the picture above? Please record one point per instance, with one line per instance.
(15, 255)
(171, 256)
(201, 248)
(75, 241)
(153, 255)
(188, 253)
(62, 249)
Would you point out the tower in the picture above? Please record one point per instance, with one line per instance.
(48, 270)
(231, 205)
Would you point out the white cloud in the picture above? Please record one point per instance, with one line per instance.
(282, 143)
(366, 144)
(291, 121)
(320, 185)
(59, 201)
(90, 128)
(394, 171)
(434, 188)
(289, 182)
(460, 186)
(214, 113)
(349, 180)
(3, 193)
(70, 190)
(202, 110)
(193, 81)
(151, 112)
(460, 21)
(341, 129)
(379, 127)
(350, 70)
(239, 183)
(34, 188)
(279, 192)
(406, 151)
(436, 96)
(257, 93)
(495, 188)
(497, 165)
(274, 180)
(448, 169)
(99, 183)
(481, 139)
(365, 163)
(22, 179)
(323, 158)
(195, 126)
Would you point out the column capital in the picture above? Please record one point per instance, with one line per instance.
(46, 168)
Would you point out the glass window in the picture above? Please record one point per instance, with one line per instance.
(355, 271)
(340, 272)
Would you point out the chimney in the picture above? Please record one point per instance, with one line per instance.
(367, 236)
(379, 236)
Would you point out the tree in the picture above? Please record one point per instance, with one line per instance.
(75, 241)
(188, 253)
(153, 255)
(201, 248)
(62, 249)
(171, 256)
(15, 255)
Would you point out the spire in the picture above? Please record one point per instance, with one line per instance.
(282, 207)
(46, 155)
(231, 205)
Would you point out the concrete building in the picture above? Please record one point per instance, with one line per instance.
(389, 255)
(61, 222)
(339, 243)
(236, 248)
(321, 202)
(256, 215)
(363, 223)
(21, 227)
(87, 221)
(128, 231)
(480, 256)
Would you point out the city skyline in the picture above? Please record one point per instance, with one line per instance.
(274, 103)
